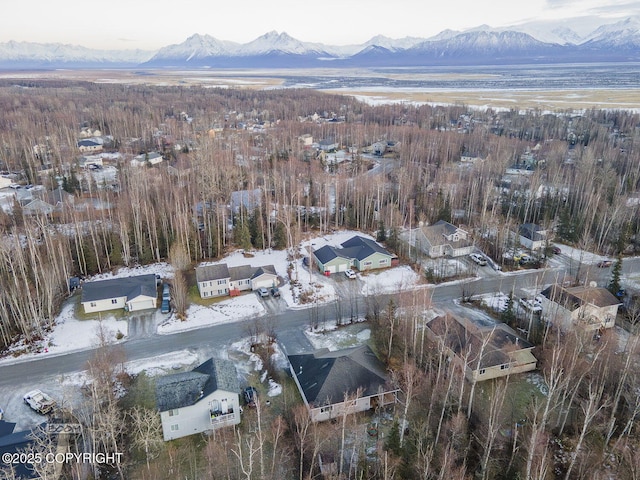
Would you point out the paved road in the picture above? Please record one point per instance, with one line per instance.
(289, 326)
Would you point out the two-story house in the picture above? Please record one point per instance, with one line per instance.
(443, 239)
(206, 398)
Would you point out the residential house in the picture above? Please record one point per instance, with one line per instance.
(357, 252)
(14, 444)
(532, 236)
(366, 254)
(37, 207)
(331, 260)
(332, 383)
(443, 239)
(469, 157)
(89, 145)
(204, 399)
(144, 159)
(586, 307)
(483, 352)
(306, 140)
(131, 293)
(328, 144)
(219, 280)
(248, 200)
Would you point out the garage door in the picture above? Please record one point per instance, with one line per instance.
(343, 267)
(330, 268)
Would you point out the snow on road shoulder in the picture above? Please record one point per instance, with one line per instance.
(69, 334)
(389, 280)
(230, 310)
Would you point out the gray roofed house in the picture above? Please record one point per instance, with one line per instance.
(532, 236)
(206, 398)
(248, 200)
(443, 239)
(587, 308)
(131, 293)
(219, 279)
(324, 378)
(483, 352)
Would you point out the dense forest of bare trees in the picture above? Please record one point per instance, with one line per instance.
(583, 181)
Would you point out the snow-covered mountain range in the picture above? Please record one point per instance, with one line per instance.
(534, 42)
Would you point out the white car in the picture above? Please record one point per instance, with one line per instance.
(39, 401)
(350, 274)
(531, 306)
(479, 259)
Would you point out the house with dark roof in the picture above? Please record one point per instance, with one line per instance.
(532, 236)
(443, 239)
(204, 399)
(357, 252)
(219, 279)
(585, 307)
(131, 293)
(332, 383)
(247, 200)
(483, 352)
(89, 145)
(15, 444)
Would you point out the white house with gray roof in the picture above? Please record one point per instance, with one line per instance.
(131, 293)
(206, 398)
(219, 280)
(443, 239)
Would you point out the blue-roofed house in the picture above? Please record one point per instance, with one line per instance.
(131, 293)
(204, 399)
(357, 252)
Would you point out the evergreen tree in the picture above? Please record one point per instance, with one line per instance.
(242, 236)
(279, 237)
(508, 315)
(381, 235)
(616, 272)
(393, 439)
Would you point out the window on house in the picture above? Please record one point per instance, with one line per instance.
(174, 412)
(504, 367)
(326, 409)
(482, 371)
(114, 301)
(366, 264)
(205, 294)
(221, 282)
(175, 427)
(93, 304)
(384, 260)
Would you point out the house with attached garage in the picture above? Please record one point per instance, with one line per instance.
(533, 236)
(332, 383)
(220, 280)
(483, 352)
(357, 252)
(131, 293)
(443, 239)
(585, 307)
(204, 399)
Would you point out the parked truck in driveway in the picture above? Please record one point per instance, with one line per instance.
(39, 401)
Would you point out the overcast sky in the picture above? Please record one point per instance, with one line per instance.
(149, 25)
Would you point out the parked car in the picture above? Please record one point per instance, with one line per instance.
(166, 292)
(250, 396)
(305, 261)
(39, 401)
(556, 250)
(166, 306)
(479, 259)
(531, 305)
(275, 292)
(263, 292)
(604, 263)
(350, 274)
